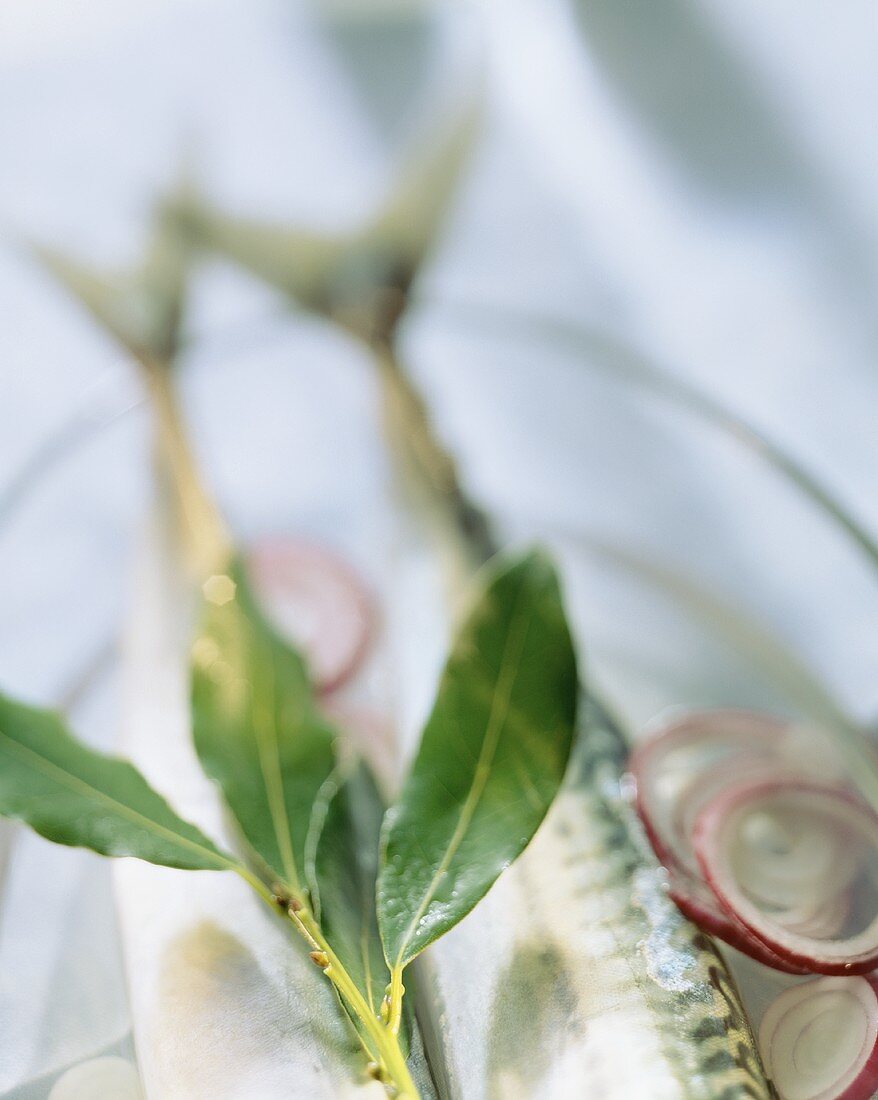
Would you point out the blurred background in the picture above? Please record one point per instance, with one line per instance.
(665, 227)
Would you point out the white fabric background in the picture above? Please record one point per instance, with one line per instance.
(697, 177)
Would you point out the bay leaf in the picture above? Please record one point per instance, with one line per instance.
(257, 730)
(72, 795)
(492, 757)
(342, 868)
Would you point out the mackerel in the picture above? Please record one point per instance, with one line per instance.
(577, 975)
(224, 1002)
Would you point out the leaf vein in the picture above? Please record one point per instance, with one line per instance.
(77, 785)
(272, 776)
(500, 707)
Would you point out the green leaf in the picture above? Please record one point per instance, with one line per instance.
(257, 731)
(73, 795)
(342, 867)
(491, 759)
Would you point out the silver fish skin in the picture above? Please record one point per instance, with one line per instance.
(660, 986)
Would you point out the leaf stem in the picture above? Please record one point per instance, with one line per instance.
(384, 1047)
(209, 548)
(256, 884)
(397, 991)
(385, 1039)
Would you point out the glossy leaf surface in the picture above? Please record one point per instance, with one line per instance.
(342, 871)
(72, 795)
(491, 759)
(257, 731)
(342, 868)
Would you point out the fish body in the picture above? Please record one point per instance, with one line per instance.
(225, 1002)
(659, 1010)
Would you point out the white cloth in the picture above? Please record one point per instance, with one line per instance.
(700, 183)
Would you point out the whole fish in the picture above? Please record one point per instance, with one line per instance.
(577, 976)
(224, 1002)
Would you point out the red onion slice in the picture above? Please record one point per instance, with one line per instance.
(819, 1040)
(822, 922)
(684, 764)
(798, 869)
(760, 823)
(704, 786)
(665, 766)
(316, 600)
(695, 901)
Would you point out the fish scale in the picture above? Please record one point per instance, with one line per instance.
(661, 1007)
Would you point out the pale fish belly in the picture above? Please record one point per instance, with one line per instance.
(225, 1003)
(658, 1015)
